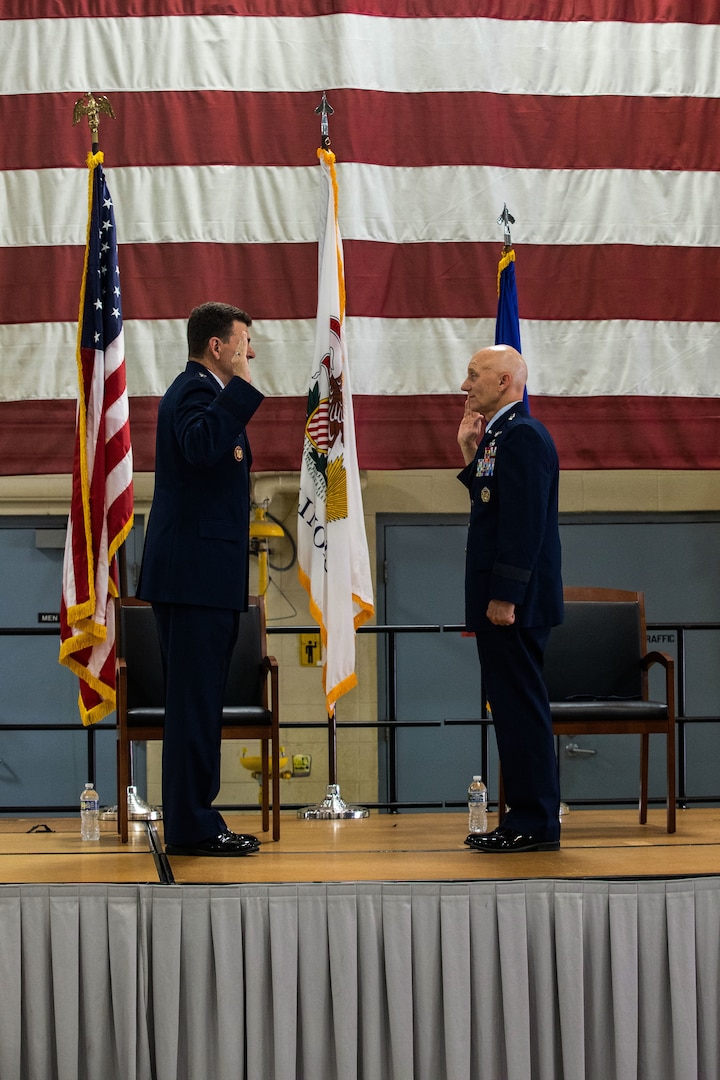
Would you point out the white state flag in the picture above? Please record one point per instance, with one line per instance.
(333, 559)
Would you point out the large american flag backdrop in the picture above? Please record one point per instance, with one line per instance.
(596, 121)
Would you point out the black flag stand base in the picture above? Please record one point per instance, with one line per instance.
(333, 808)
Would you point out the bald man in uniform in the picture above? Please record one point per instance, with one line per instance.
(513, 589)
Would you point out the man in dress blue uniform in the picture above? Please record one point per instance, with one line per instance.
(195, 567)
(513, 588)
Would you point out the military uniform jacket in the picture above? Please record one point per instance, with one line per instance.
(513, 544)
(197, 540)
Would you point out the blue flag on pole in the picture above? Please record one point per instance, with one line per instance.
(507, 324)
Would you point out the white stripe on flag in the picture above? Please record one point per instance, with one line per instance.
(591, 357)
(182, 204)
(225, 53)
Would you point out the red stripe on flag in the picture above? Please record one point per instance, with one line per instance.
(455, 280)
(446, 280)
(407, 433)
(590, 433)
(688, 11)
(521, 132)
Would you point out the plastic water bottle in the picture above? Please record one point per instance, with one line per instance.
(477, 806)
(89, 814)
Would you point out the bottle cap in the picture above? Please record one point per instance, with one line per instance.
(477, 777)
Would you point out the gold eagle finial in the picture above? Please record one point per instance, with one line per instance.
(91, 107)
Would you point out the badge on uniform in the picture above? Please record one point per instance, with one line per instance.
(485, 494)
(238, 452)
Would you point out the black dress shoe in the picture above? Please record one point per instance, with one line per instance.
(503, 841)
(225, 843)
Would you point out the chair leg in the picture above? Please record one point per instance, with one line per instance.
(265, 785)
(275, 789)
(501, 797)
(123, 781)
(671, 808)
(117, 780)
(644, 761)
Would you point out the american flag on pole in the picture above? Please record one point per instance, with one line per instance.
(101, 508)
(333, 559)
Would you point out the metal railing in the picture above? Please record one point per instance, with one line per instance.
(483, 722)
(391, 724)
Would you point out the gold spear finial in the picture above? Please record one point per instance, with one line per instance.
(91, 107)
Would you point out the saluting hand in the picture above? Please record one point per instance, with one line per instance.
(242, 357)
(470, 432)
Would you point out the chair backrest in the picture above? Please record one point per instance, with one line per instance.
(246, 679)
(595, 654)
(139, 645)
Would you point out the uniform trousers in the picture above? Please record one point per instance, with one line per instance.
(511, 658)
(196, 645)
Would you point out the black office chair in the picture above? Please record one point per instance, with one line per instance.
(251, 699)
(596, 671)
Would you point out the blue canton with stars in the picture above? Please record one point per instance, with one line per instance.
(102, 316)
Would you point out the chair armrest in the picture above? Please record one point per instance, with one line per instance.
(657, 658)
(666, 661)
(121, 669)
(120, 687)
(270, 667)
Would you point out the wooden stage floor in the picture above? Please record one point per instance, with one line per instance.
(383, 847)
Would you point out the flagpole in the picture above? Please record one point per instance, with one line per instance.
(507, 323)
(332, 749)
(332, 408)
(92, 106)
(324, 110)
